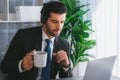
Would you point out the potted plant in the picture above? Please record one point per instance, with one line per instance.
(77, 31)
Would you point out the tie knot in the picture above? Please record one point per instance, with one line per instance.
(48, 41)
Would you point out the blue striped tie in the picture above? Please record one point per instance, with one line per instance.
(45, 75)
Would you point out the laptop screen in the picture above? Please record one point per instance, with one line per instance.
(100, 69)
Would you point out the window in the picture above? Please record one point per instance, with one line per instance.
(105, 21)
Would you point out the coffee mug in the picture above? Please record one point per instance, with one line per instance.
(40, 59)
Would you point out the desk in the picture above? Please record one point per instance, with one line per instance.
(81, 78)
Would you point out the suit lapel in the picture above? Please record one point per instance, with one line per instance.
(57, 45)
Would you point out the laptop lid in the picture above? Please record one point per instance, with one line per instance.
(100, 69)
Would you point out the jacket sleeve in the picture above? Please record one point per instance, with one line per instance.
(63, 73)
(12, 57)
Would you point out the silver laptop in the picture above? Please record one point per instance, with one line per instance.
(99, 69)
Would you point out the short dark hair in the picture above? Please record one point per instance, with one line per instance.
(52, 6)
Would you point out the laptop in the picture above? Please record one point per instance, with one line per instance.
(99, 69)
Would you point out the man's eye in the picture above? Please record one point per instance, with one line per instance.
(62, 22)
(54, 21)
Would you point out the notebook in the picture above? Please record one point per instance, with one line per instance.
(99, 69)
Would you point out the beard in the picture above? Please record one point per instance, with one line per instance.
(54, 32)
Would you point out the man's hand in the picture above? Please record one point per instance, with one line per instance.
(27, 62)
(62, 58)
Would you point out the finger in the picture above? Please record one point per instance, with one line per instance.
(28, 67)
(63, 62)
(54, 54)
(60, 59)
(62, 54)
(63, 57)
(59, 52)
(30, 60)
(32, 52)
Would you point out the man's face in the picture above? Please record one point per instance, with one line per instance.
(54, 24)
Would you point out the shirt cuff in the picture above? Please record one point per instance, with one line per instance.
(65, 69)
(71, 66)
(19, 66)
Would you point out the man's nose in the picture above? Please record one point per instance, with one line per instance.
(59, 24)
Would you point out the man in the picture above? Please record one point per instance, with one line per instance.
(18, 62)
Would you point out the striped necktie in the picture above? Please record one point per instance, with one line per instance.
(45, 74)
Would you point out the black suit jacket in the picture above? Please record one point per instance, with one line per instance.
(25, 41)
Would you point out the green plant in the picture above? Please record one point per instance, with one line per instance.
(77, 31)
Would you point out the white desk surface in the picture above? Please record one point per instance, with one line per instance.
(81, 78)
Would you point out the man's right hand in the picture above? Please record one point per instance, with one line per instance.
(27, 61)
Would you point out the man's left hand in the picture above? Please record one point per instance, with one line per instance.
(62, 58)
